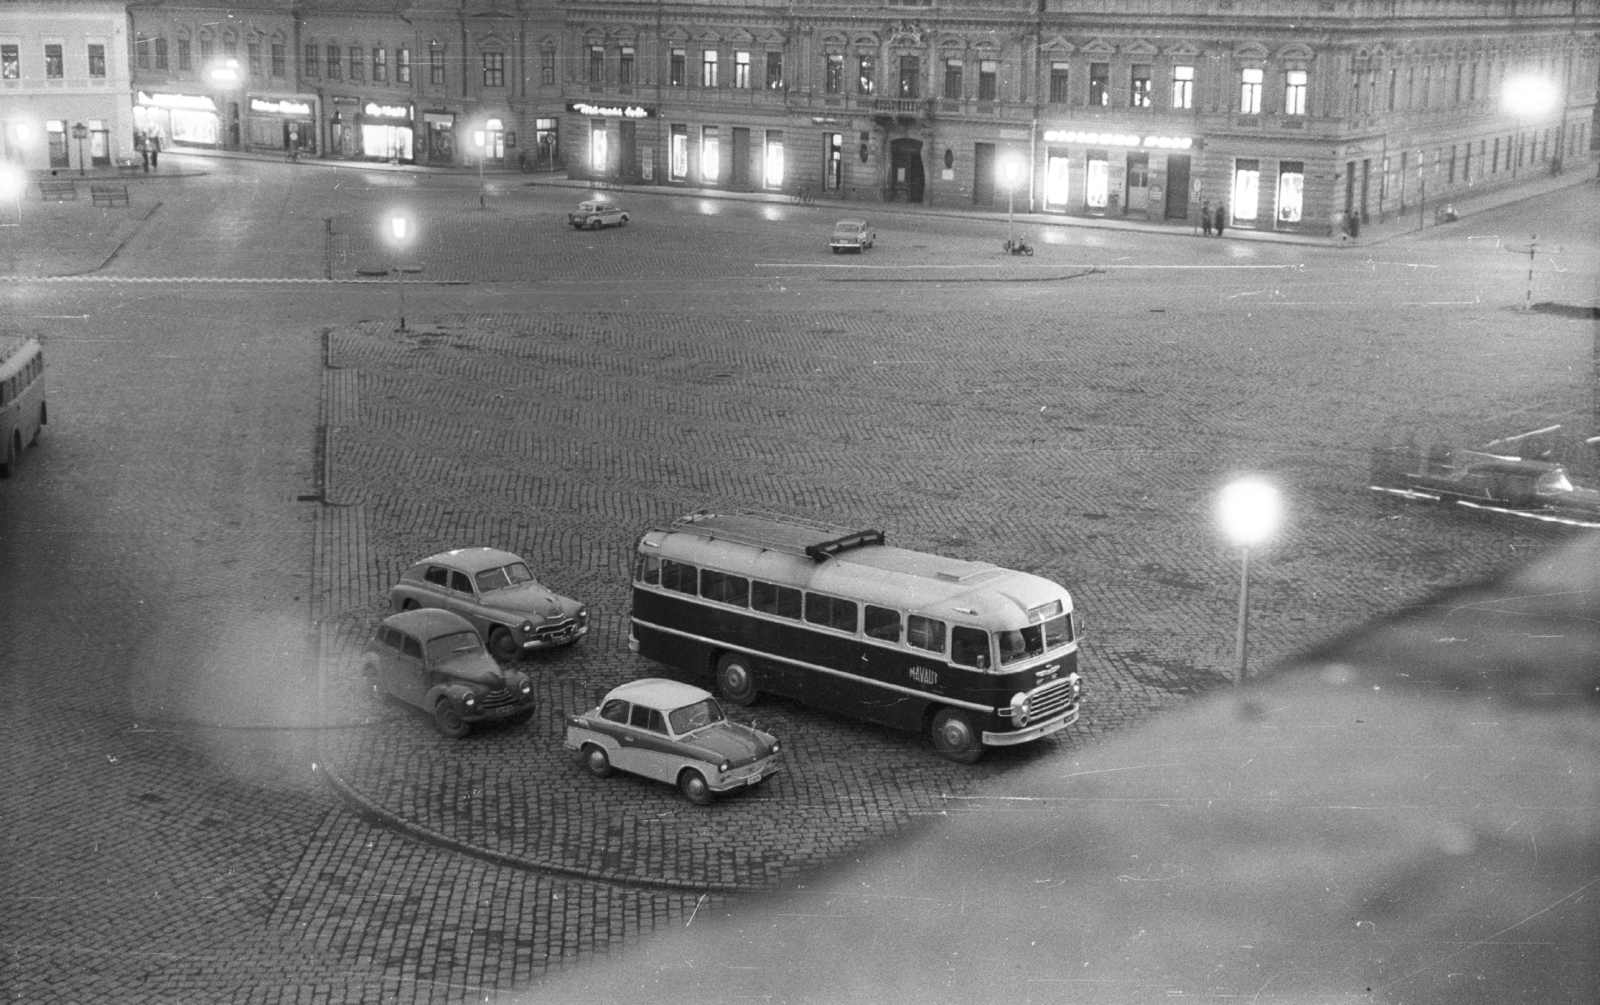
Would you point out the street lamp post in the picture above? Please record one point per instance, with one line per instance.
(80, 132)
(1011, 201)
(1249, 509)
(401, 232)
(481, 138)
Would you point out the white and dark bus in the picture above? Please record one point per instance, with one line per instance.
(971, 654)
(22, 407)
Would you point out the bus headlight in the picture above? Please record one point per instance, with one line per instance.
(1020, 708)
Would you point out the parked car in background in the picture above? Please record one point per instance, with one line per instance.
(434, 660)
(592, 214)
(851, 235)
(675, 733)
(494, 590)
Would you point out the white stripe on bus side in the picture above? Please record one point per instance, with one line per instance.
(821, 669)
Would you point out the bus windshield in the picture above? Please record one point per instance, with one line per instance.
(1025, 643)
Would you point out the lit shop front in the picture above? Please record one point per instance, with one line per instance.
(282, 124)
(1117, 174)
(371, 130)
(189, 119)
(609, 133)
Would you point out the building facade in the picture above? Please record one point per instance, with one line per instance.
(1298, 115)
(442, 82)
(64, 85)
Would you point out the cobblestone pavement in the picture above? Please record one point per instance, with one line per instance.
(1076, 428)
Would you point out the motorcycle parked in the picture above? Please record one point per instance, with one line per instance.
(1018, 246)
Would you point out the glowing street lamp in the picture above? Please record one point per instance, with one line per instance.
(1249, 510)
(1526, 97)
(401, 230)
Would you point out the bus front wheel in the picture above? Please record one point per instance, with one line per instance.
(954, 736)
(735, 680)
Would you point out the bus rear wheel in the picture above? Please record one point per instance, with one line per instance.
(735, 680)
(954, 736)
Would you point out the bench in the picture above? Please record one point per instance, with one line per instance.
(108, 195)
(58, 190)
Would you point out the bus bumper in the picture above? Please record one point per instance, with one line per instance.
(1027, 734)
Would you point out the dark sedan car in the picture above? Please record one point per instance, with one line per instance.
(434, 660)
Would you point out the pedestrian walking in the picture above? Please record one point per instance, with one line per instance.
(155, 151)
(1205, 218)
(1220, 217)
(143, 147)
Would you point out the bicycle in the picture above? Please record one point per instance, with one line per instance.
(803, 197)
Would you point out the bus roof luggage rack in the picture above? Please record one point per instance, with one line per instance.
(775, 532)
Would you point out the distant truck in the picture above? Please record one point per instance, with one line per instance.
(596, 213)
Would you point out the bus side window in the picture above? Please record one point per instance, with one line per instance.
(723, 588)
(969, 647)
(649, 571)
(925, 633)
(680, 577)
(882, 623)
(831, 612)
(768, 598)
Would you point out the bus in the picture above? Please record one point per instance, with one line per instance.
(968, 653)
(22, 407)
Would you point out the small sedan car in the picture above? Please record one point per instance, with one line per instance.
(434, 660)
(592, 214)
(493, 590)
(851, 235)
(674, 733)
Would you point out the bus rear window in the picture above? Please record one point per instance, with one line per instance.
(784, 601)
(723, 588)
(925, 633)
(831, 612)
(969, 647)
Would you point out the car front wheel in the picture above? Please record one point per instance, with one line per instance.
(595, 761)
(503, 646)
(694, 787)
(736, 680)
(447, 718)
(955, 738)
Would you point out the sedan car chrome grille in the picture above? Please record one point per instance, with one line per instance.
(555, 628)
(1051, 700)
(499, 699)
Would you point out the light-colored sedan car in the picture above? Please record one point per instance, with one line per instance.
(675, 733)
(434, 660)
(851, 235)
(512, 611)
(592, 214)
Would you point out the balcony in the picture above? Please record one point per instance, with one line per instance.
(900, 108)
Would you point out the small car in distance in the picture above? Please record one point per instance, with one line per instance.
(672, 732)
(851, 235)
(592, 214)
(511, 610)
(434, 660)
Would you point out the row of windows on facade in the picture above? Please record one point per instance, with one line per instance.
(55, 64)
(333, 61)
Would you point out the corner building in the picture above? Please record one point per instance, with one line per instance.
(1296, 115)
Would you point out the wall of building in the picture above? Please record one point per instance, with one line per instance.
(64, 66)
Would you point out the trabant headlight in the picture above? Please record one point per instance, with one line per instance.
(1021, 708)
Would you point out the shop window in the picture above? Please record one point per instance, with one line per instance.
(380, 65)
(774, 167)
(1294, 92)
(952, 79)
(833, 74)
(10, 62)
(988, 79)
(97, 60)
(774, 71)
(741, 69)
(280, 61)
(710, 155)
(910, 75)
(494, 69)
(1183, 87)
(1097, 180)
(832, 161)
(1139, 89)
(866, 75)
(708, 68)
(52, 61)
(1099, 85)
(335, 62)
(625, 66)
(1055, 178)
(677, 72)
(435, 66)
(597, 64)
(1246, 190)
(402, 66)
(598, 149)
(1291, 191)
(1250, 91)
(678, 154)
(547, 68)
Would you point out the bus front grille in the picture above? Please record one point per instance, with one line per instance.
(1051, 700)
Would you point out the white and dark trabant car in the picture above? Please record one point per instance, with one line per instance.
(434, 660)
(592, 214)
(675, 733)
(851, 235)
(512, 612)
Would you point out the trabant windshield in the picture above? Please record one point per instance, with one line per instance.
(452, 646)
(514, 574)
(697, 716)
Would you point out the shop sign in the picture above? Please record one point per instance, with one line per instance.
(825, 120)
(611, 111)
(196, 101)
(373, 110)
(281, 106)
(1119, 140)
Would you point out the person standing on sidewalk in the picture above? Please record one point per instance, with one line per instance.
(1205, 218)
(155, 151)
(143, 144)
(1220, 217)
